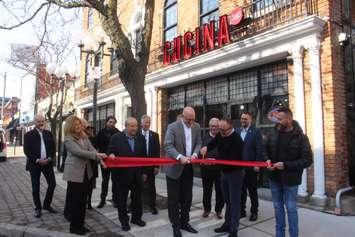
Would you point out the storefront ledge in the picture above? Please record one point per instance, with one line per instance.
(10, 230)
(319, 200)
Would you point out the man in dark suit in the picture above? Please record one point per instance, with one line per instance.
(129, 143)
(182, 143)
(153, 150)
(252, 151)
(39, 149)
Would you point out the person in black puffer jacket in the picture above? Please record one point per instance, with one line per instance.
(288, 153)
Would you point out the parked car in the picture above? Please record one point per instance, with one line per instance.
(3, 154)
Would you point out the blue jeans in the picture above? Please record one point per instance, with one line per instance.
(282, 196)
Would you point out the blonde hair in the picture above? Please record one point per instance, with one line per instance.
(69, 127)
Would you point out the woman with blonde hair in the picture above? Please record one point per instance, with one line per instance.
(78, 172)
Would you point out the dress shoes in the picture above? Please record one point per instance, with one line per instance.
(253, 217)
(101, 204)
(78, 231)
(50, 209)
(38, 213)
(219, 215)
(138, 222)
(154, 211)
(177, 232)
(189, 228)
(233, 234)
(243, 214)
(126, 227)
(222, 229)
(205, 214)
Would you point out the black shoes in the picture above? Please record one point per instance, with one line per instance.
(50, 209)
(233, 234)
(222, 229)
(177, 232)
(126, 227)
(101, 204)
(154, 211)
(189, 228)
(253, 217)
(138, 222)
(243, 214)
(38, 213)
(79, 231)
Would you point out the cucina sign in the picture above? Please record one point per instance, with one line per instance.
(205, 38)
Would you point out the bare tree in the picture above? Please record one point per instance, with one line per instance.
(131, 69)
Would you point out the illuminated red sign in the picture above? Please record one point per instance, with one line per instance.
(203, 39)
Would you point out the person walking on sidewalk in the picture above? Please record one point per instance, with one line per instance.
(252, 151)
(102, 140)
(153, 150)
(78, 172)
(182, 143)
(289, 152)
(129, 143)
(39, 148)
(211, 175)
(230, 147)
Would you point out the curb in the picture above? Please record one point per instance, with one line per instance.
(10, 230)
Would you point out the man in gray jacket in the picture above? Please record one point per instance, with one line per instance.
(182, 142)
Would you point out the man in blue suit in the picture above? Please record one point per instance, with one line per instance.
(252, 151)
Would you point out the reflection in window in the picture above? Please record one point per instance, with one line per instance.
(170, 20)
(208, 11)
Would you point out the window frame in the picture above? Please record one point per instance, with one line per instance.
(204, 14)
(90, 18)
(165, 27)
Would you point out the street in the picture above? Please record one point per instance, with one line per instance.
(17, 209)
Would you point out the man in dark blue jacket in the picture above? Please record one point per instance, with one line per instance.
(252, 151)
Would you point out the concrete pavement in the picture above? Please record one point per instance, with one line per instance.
(16, 209)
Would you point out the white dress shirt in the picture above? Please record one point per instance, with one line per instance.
(43, 146)
(243, 132)
(146, 135)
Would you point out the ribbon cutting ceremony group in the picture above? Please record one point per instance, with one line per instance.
(229, 159)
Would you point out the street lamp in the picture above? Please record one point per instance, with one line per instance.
(93, 43)
(66, 77)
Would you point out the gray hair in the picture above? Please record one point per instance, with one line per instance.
(144, 117)
(213, 120)
(130, 119)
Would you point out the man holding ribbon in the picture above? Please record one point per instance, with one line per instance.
(129, 143)
(230, 147)
(182, 143)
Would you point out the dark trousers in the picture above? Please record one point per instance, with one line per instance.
(211, 177)
(250, 185)
(48, 173)
(180, 197)
(104, 185)
(151, 190)
(75, 207)
(91, 187)
(136, 195)
(232, 182)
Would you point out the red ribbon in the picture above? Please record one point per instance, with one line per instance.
(119, 162)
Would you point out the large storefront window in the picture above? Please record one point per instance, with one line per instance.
(102, 112)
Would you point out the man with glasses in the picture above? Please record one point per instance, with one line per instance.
(230, 147)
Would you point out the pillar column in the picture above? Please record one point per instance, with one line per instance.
(299, 112)
(318, 196)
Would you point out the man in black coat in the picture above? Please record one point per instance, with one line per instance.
(129, 143)
(252, 151)
(230, 147)
(101, 142)
(39, 148)
(153, 150)
(289, 150)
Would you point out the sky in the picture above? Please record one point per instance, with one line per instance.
(26, 34)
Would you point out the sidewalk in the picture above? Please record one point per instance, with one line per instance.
(16, 208)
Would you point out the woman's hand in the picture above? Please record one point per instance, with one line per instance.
(102, 155)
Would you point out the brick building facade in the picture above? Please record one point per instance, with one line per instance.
(284, 53)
